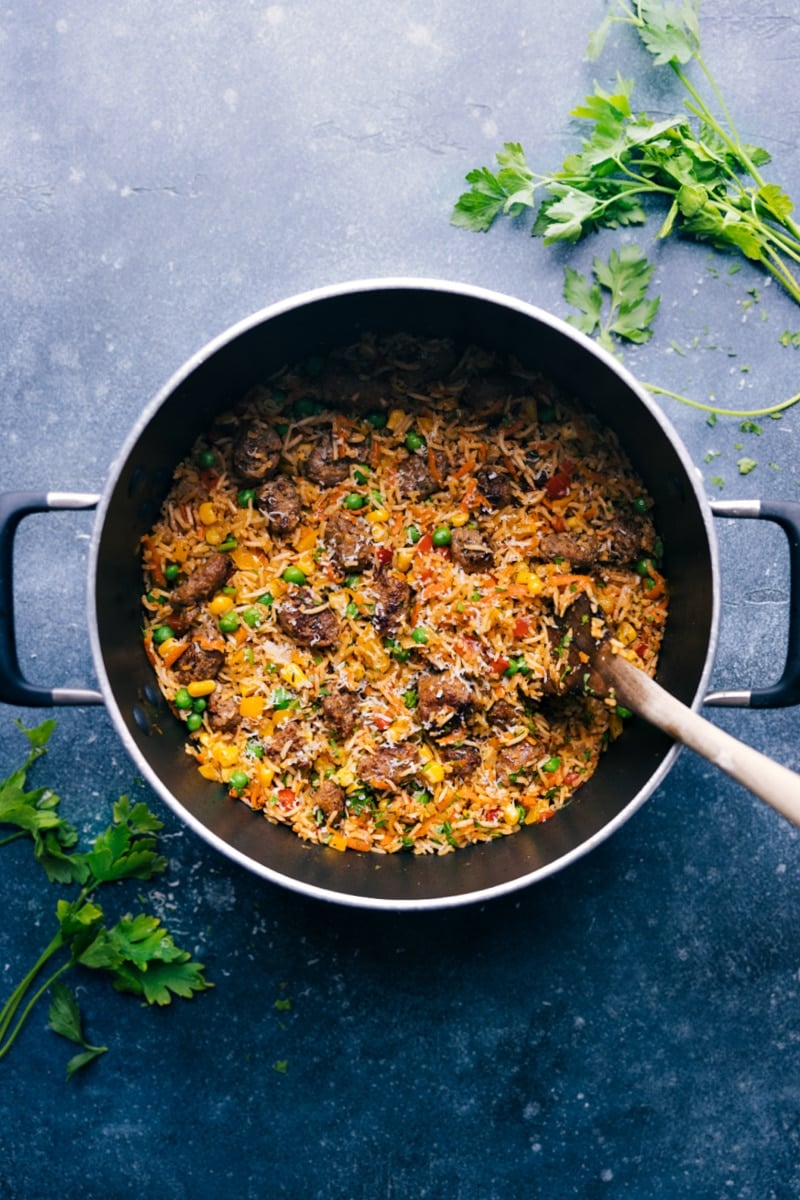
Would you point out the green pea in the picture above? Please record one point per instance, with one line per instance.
(252, 617)
(414, 441)
(420, 636)
(245, 496)
(255, 749)
(640, 504)
(377, 420)
(442, 536)
(643, 566)
(361, 475)
(239, 781)
(199, 704)
(353, 501)
(182, 699)
(307, 406)
(229, 622)
(413, 534)
(162, 633)
(207, 458)
(293, 575)
(551, 765)
(623, 712)
(267, 599)
(281, 428)
(194, 721)
(171, 572)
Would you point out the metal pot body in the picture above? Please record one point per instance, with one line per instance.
(218, 376)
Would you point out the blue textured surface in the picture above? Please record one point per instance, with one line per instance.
(628, 1028)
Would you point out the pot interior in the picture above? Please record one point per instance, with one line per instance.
(217, 378)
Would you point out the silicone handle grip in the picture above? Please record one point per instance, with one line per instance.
(14, 687)
(786, 690)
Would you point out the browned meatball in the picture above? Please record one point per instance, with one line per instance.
(340, 711)
(330, 798)
(504, 714)
(515, 760)
(323, 468)
(256, 451)
(349, 541)
(389, 765)
(414, 478)
(441, 697)
(393, 595)
(308, 621)
(495, 486)
(462, 760)
(279, 501)
(487, 393)
(582, 554)
(344, 388)
(470, 551)
(204, 581)
(198, 663)
(223, 712)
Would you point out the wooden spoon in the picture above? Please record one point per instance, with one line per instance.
(768, 780)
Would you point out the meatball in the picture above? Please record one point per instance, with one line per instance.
(495, 486)
(330, 799)
(581, 553)
(197, 663)
(340, 712)
(323, 468)
(279, 501)
(441, 697)
(256, 451)
(414, 478)
(204, 581)
(393, 595)
(349, 542)
(470, 551)
(515, 760)
(463, 761)
(223, 712)
(389, 765)
(308, 621)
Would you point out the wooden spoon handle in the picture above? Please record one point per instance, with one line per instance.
(776, 785)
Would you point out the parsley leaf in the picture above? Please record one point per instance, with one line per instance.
(624, 280)
(137, 952)
(746, 465)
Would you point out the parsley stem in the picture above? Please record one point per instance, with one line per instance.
(723, 412)
(12, 837)
(9, 1009)
(48, 983)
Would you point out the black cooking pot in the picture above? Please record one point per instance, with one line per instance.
(216, 378)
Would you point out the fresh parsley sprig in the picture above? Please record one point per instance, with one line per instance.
(136, 952)
(622, 282)
(696, 165)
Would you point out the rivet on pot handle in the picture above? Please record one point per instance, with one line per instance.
(786, 690)
(14, 688)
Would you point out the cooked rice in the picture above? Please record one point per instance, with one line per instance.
(472, 714)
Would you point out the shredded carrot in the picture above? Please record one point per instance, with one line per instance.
(466, 469)
(568, 580)
(433, 467)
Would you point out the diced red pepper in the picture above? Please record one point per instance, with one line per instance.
(425, 543)
(499, 664)
(522, 627)
(557, 485)
(384, 555)
(286, 797)
(641, 650)
(381, 722)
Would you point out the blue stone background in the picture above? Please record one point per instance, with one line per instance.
(628, 1028)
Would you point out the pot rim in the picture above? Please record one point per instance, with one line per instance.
(332, 292)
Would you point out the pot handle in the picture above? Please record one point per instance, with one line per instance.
(14, 687)
(786, 690)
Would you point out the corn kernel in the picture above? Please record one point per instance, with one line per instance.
(378, 514)
(337, 841)
(459, 518)
(226, 756)
(215, 534)
(245, 560)
(534, 584)
(165, 649)
(292, 674)
(573, 523)
(626, 633)
(266, 774)
(251, 706)
(207, 513)
(522, 575)
(380, 533)
(307, 566)
(220, 604)
(395, 419)
(404, 558)
(208, 771)
(425, 753)
(531, 816)
(511, 813)
(434, 770)
(200, 687)
(344, 777)
(306, 539)
(372, 652)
